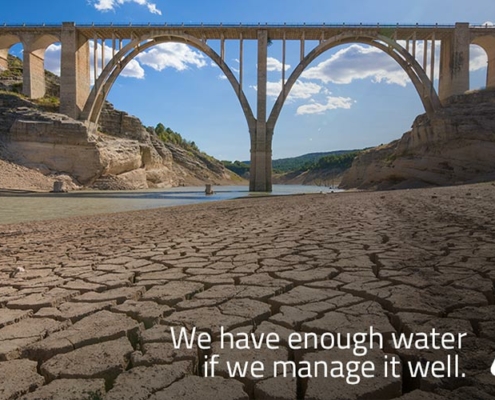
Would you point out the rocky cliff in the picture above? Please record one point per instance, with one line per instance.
(123, 154)
(457, 145)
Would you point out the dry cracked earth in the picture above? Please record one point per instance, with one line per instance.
(90, 317)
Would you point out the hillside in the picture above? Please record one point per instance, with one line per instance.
(123, 154)
(455, 146)
(304, 162)
(325, 170)
(321, 169)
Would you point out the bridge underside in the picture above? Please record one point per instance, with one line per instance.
(81, 101)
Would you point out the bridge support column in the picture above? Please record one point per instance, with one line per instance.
(454, 62)
(4, 63)
(490, 73)
(261, 138)
(33, 79)
(75, 74)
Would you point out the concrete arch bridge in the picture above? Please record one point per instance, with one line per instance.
(82, 101)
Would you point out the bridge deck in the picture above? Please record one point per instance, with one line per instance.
(249, 32)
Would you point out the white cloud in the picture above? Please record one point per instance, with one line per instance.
(332, 104)
(52, 62)
(275, 65)
(172, 55)
(358, 62)
(478, 58)
(110, 5)
(304, 90)
(300, 90)
(366, 62)
(222, 77)
(133, 70)
(52, 58)
(166, 55)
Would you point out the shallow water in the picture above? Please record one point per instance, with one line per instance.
(22, 207)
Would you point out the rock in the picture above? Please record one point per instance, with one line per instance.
(301, 295)
(104, 360)
(196, 388)
(146, 312)
(172, 292)
(8, 317)
(77, 311)
(36, 301)
(68, 389)
(158, 333)
(253, 310)
(353, 319)
(164, 353)
(139, 383)
(96, 328)
(13, 338)
(278, 388)
(264, 355)
(124, 156)
(421, 395)
(18, 377)
(487, 330)
(292, 317)
(120, 156)
(455, 145)
(57, 143)
(377, 387)
(206, 319)
(119, 295)
(475, 314)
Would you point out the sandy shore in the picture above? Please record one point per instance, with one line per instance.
(92, 312)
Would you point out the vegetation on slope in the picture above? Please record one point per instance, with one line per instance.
(167, 135)
(238, 167)
(334, 160)
(340, 161)
(304, 162)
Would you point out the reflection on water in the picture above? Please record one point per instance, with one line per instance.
(24, 206)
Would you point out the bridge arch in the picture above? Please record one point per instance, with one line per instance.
(34, 48)
(409, 64)
(6, 42)
(487, 43)
(110, 73)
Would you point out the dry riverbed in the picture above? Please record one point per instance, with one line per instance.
(87, 303)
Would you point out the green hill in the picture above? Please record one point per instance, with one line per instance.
(303, 162)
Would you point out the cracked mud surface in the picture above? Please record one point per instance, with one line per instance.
(92, 313)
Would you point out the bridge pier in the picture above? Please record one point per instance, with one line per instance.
(4, 64)
(33, 75)
(490, 73)
(261, 139)
(74, 72)
(454, 62)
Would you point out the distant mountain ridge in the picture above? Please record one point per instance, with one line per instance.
(297, 163)
(300, 162)
(323, 168)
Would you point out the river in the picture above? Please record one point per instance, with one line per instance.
(22, 206)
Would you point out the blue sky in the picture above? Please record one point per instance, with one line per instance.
(350, 97)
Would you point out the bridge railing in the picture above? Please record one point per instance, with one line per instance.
(236, 25)
(245, 25)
